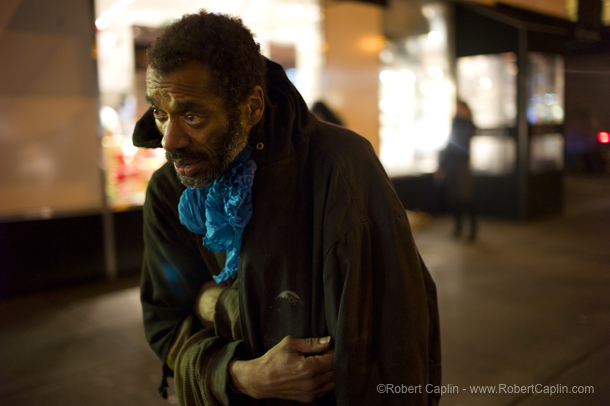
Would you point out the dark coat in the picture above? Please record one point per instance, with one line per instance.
(455, 162)
(328, 251)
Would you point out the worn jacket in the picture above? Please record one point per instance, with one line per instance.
(328, 251)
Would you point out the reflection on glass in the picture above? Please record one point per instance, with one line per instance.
(546, 153)
(545, 89)
(488, 83)
(493, 154)
(415, 97)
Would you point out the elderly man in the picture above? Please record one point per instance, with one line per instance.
(319, 294)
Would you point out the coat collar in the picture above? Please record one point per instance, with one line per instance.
(283, 129)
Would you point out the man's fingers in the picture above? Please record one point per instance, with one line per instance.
(296, 369)
(320, 363)
(313, 345)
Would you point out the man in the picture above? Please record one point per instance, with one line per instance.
(320, 294)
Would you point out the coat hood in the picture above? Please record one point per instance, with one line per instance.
(286, 113)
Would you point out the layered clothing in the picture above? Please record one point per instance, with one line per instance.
(328, 252)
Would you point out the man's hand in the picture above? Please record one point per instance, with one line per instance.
(295, 369)
(206, 303)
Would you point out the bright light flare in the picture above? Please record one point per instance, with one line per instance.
(128, 148)
(485, 82)
(603, 137)
(436, 72)
(290, 11)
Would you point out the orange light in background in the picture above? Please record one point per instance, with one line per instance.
(603, 137)
(324, 46)
(373, 44)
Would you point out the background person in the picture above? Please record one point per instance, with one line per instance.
(324, 113)
(454, 170)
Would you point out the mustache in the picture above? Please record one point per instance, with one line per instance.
(187, 155)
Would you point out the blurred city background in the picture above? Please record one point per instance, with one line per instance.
(525, 304)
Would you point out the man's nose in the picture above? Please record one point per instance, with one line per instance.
(174, 136)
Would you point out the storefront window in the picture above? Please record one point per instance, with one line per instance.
(289, 33)
(416, 97)
(545, 89)
(488, 83)
(546, 153)
(492, 154)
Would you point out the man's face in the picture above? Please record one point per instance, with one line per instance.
(201, 135)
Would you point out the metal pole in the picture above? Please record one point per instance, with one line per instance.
(523, 136)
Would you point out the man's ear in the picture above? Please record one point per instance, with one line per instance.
(255, 106)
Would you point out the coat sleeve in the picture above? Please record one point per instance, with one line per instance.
(380, 301)
(201, 373)
(175, 266)
(382, 314)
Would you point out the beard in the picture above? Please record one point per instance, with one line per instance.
(231, 142)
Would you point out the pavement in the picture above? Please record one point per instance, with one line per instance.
(525, 311)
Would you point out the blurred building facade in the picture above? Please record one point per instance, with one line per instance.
(72, 184)
(514, 66)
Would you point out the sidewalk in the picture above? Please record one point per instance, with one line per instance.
(527, 304)
(77, 347)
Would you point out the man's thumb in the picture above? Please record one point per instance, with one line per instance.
(324, 340)
(311, 345)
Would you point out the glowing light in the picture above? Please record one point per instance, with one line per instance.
(102, 23)
(603, 137)
(290, 11)
(550, 99)
(128, 148)
(108, 16)
(406, 76)
(435, 36)
(428, 11)
(485, 82)
(313, 13)
(557, 112)
(435, 89)
(110, 119)
(397, 79)
(224, 6)
(435, 72)
(372, 44)
(117, 7)
(254, 10)
(386, 76)
(108, 38)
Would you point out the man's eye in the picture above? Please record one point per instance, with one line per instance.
(156, 112)
(191, 118)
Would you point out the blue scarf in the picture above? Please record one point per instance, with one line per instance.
(220, 211)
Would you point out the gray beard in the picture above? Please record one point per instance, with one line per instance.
(235, 140)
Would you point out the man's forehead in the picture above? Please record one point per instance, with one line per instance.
(190, 81)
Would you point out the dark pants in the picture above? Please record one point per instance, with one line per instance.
(460, 209)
